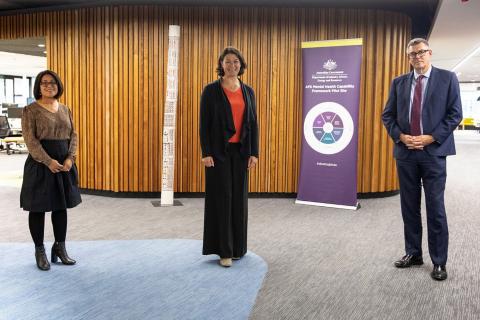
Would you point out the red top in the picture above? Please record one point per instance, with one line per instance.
(238, 107)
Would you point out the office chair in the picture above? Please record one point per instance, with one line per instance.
(4, 127)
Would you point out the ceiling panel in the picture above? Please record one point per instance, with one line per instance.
(455, 36)
(29, 46)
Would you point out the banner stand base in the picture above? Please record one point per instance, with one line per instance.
(157, 203)
(330, 205)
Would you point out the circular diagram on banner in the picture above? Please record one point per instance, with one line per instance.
(328, 128)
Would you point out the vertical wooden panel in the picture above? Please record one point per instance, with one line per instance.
(113, 59)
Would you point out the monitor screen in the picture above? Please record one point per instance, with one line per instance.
(14, 113)
(6, 105)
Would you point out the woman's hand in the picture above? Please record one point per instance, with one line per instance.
(208, 162)
(252, 162)
(67, 164)
(54, 166)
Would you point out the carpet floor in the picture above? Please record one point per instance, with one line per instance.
(128, 279)
(323, 263)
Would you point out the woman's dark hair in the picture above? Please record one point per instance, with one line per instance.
(36, 87)
(235, 51)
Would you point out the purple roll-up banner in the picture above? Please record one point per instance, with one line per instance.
(331, 93)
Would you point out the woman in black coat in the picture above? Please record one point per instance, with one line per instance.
(229, 141)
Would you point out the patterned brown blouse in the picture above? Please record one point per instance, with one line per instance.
(38, 124)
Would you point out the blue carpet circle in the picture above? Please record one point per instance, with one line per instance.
(128, 279)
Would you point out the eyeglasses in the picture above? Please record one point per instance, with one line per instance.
(48, 83)
(232, 62)
(419, 53)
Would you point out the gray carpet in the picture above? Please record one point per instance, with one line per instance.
(323, 263)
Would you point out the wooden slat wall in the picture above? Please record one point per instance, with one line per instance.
(113, 60)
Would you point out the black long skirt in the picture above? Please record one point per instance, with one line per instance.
(43, 190)
(226, 206)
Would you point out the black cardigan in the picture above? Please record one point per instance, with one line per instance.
(217, 126)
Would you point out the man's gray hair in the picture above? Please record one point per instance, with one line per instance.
(416, 41)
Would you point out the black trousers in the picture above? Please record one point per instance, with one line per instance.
(423, 170)
(36, 223)
(226, 206)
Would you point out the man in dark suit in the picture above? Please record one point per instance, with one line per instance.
(422, 111)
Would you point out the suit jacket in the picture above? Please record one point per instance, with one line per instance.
(441, 112)
(217, 126)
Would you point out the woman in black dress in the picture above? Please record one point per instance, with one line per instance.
(50, 178)
(229, 141)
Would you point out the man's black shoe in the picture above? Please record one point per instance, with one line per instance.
(408, 261)
(439, 272)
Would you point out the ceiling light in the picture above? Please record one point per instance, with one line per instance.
(41, 45)
(474, 52)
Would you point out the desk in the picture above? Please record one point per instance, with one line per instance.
(15, 132)
(14, 144)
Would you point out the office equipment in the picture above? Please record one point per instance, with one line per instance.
(14, 112)
(9, 105)
(13, 144)
(8, 140)
(5, 106)
(15, 120)
(4, 127)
